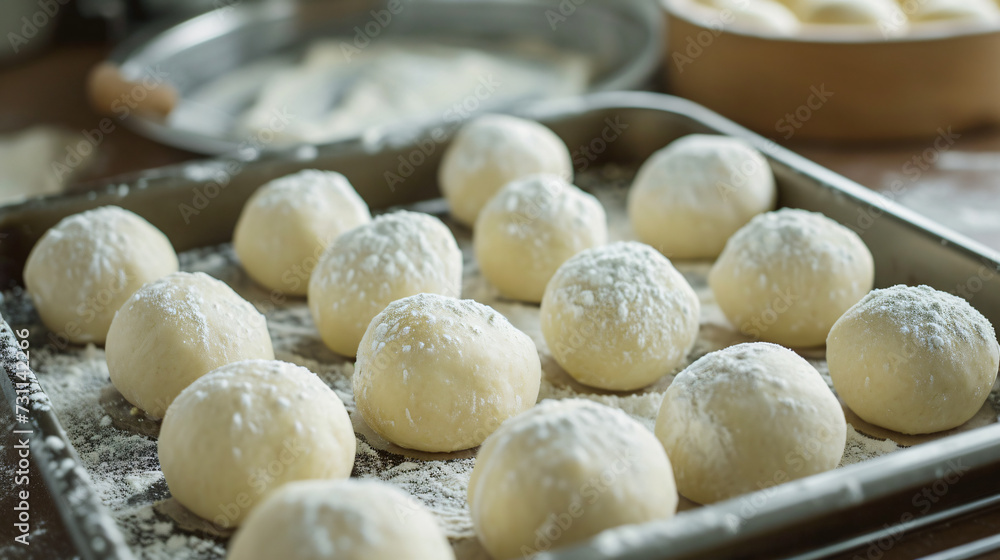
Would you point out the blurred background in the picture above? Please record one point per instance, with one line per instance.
(904, 102)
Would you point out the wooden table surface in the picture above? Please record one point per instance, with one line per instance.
(956, 183)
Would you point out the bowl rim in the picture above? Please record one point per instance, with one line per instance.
(834, 34)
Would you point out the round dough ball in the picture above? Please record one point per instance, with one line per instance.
(530, 228)
(285, 226)
(884, 13)
(240, 432)
(491, 151)
(980, 11)
(343, 519)
(690, 197)
(436, 373)
(84, 268)
(914, 360)
(619, 317)
(394, 256)
(749, 417)
(563, 472)
(176, 329)
(787, 276)
(764, 16)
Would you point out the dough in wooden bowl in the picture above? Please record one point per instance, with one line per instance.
(766, 16)
(971, 11)
(885, 14)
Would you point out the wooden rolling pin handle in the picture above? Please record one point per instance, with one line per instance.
(112, 94)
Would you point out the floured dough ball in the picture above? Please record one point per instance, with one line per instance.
(766, 16)
(530, 228)
(84, 268)
(343, 519)
(690, 197)
(883, 13)
(749, 417)
(436, 373)
(563, 472)
(285, 226)
(176, 329)
(914, 360)
(491, 151)
(240, 432)
(396, 255)
(982, 11)
(787, 276)
(619, 317)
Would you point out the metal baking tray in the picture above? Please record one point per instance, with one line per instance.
(622, 40)
(833, 511)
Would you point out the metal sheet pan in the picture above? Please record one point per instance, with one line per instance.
(197, 204)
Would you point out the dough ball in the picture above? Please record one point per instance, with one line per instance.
(530, 228)
(749, 417)
(619, 317)
(240, 432)
(690, 197)
(563, 472)
(787, 276)
(914, 360)
(343, 519)
(982, 11)
(84, 268)
(176, 329)
(884, 13)
(491, 151)
(765, 16)
(285, 226)
(436, 373)
(394, 256)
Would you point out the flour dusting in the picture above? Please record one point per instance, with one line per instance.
(122, 461)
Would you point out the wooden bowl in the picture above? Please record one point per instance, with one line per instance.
(853, 85)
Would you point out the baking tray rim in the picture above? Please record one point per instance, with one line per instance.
(544, 110)
(903, 469)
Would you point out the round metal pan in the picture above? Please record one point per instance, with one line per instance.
(622, 41)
